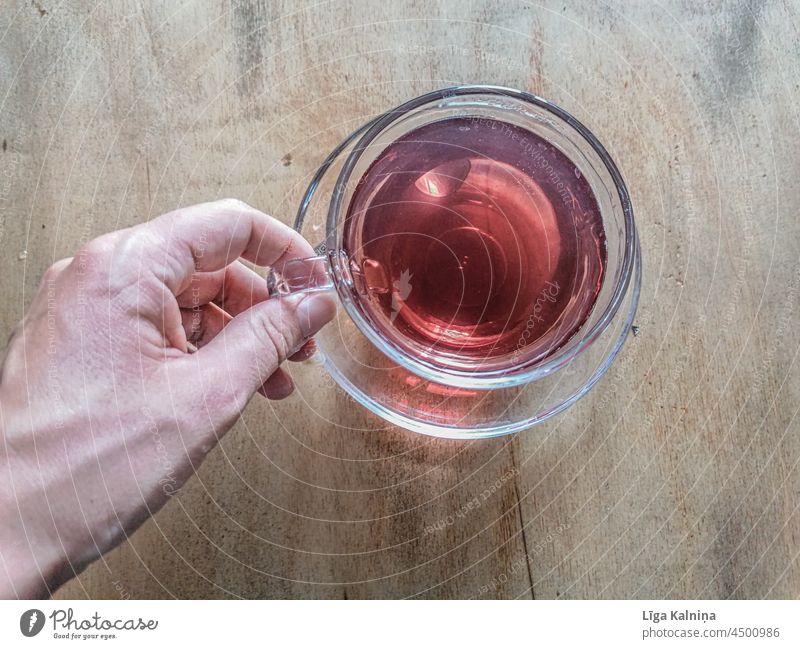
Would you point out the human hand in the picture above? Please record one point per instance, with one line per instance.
(105, 412)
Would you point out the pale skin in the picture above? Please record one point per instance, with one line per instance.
(134, 357)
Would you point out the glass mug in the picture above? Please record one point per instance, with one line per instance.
(511, 382)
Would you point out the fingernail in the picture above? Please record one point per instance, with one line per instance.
(315, 311)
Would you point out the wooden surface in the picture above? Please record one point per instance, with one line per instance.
(677, 476)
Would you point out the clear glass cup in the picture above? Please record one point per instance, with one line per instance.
(472, 400)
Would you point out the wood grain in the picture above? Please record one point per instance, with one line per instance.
(675, 477)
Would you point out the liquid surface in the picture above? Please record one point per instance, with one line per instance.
(475, 240)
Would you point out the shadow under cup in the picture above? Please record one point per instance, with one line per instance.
(452, 359)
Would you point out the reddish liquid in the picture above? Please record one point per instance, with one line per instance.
(476, 241)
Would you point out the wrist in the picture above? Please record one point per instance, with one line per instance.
(32, 558)
(32, 566)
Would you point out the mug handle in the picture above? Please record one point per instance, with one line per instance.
(309, 275)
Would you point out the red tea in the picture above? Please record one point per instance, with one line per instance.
(478, 240)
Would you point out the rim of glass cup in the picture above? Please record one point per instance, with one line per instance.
(454, 377)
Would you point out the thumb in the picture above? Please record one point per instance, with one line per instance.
(252, 345)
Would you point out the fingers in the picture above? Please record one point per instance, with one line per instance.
(247, 353)
(278, 386)
(241, 289)
(305, 352)
(208, 237)
(235, 288)
(203, 323)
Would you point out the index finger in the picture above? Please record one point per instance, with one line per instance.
(209, 236)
